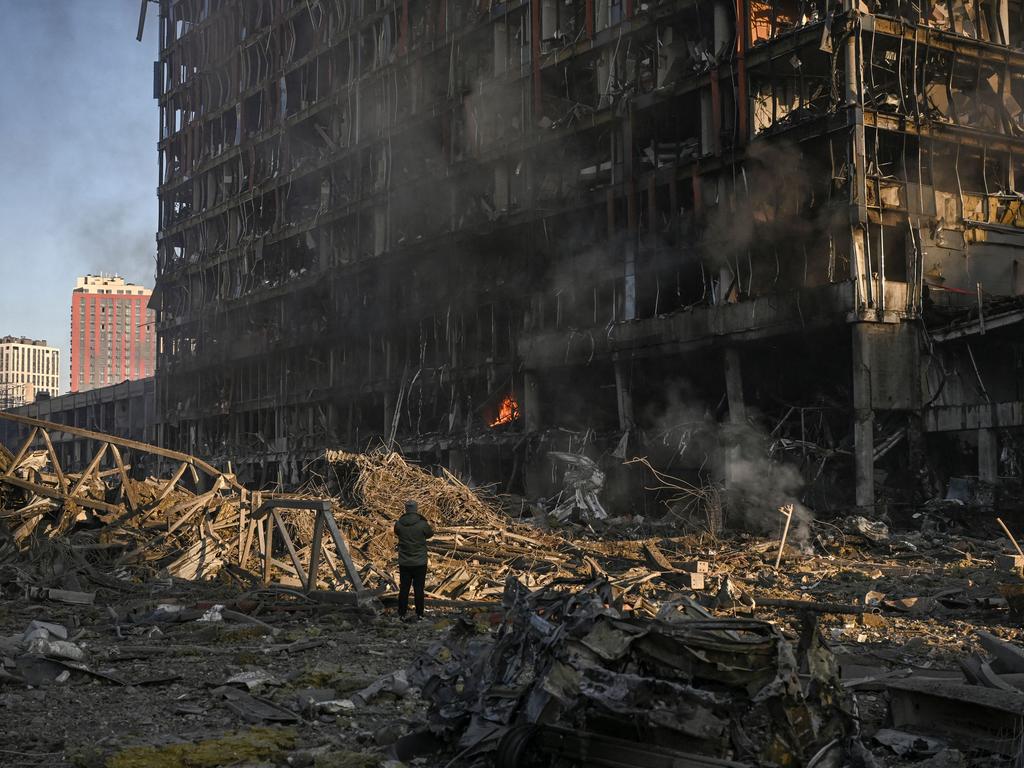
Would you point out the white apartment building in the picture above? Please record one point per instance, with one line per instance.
(27, 367)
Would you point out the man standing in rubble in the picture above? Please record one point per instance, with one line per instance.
(412, 530)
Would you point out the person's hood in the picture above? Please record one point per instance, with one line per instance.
(410, 518)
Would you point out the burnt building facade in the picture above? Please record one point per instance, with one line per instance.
(697, 230)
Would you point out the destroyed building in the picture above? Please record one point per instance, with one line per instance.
(487, 231)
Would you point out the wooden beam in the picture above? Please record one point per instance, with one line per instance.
(129, 491)
(89, 470)
(243, 519)
(289, 546)
(21, 451)
(193, 506)
(314, 551)
(61, 480)
(342, 549)
(250, 529)
(120, 442)
(169, 485)
(267, 527)
(53, 493)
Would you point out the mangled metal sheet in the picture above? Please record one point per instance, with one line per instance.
(720, 688)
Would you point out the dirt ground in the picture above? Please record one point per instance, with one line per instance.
(165, 708)
(176, 667)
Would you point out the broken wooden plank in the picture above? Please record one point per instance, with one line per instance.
(96, 459)
(342, 551)
(1010, 537)
(169, 485)
(656, 558)
(62, 481)
(54, 493)
(786, 510)
(20, 455)
(314, 553)
(289, 546)
(126, 484)
(194, 505)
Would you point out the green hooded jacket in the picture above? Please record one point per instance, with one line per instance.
(412, 531)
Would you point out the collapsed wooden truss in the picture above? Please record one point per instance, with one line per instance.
(195, 495)
(67, 488)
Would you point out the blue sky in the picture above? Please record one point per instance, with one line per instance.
(78, 162)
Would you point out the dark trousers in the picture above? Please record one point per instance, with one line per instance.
(411, 576)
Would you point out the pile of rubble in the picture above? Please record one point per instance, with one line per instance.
(571, 673)
(113, 529)
(846, 642)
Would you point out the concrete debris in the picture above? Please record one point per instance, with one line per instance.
(583, 481)
(254, 709)
(60, 595)
(908, 744)
(57, 649)
(875, 530)
(396, 683)
(576, 659)
(42, 638)
(541, 644)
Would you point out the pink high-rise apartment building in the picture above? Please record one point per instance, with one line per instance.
(112, 334)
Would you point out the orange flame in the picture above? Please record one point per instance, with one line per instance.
(508, 412)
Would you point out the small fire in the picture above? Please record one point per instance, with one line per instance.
(508, 412)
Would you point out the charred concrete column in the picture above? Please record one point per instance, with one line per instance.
(737, 413)
(726, 275)
(629, 253)
(723, 27)
(734, 386)
(500, 48)
(602, 77)
(988, 456)
(724, 34)
(624, 397)
(548, 19)
(864, 292)
(456, 461)
(500, 186)
(917, 454)
(531, 402)
(860, 262)
(708, 141)
(863, 420)
(710, 97)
